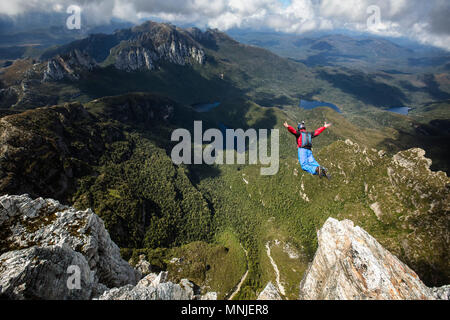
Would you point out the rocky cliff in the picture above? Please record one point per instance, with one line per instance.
(351, 264)
(41, 238)
(68, 66)
(152, 43)
(44, 244)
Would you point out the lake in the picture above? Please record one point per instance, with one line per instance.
(308, 105)
(400, 110)
(205, 107)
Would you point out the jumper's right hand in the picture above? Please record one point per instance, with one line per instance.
(285, 124)
(327, 125)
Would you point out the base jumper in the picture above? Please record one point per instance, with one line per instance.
(304, 144)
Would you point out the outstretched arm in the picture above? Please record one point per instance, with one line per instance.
(291, 129)
(321, 129)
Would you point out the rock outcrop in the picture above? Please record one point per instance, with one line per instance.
(53, 251)
(269, 293)
(68, 66)
(152, 43)
(135, 57)
(351, 264)
(44, 237)
(157, 287)
(442, 293)
(143, 266)
(42, 273)
(132, 58)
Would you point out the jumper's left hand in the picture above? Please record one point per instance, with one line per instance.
(327, 125)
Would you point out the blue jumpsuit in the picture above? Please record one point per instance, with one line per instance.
(305, 156)
(307, 161)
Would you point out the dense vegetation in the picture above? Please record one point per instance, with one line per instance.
(117, 151)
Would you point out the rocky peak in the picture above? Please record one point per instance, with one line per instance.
(151, 43)
(68, 66)
(351, 264)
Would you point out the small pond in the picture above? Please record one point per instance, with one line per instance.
(305, 104)
(400, 110)
(205, 107)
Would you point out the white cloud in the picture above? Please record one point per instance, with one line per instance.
(425, 21)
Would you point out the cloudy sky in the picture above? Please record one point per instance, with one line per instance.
(426, 21)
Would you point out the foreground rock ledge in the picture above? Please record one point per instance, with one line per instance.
(351, 265)
(40, 240)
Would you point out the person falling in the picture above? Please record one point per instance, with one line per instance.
(304, 144)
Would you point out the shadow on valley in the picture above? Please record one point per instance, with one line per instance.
(365, 89)
(182, 83)
(433, 88)
(328, 59)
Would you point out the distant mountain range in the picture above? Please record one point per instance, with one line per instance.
(332, 65)
(361, 51)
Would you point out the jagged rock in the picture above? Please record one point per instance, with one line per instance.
(376, 209)
(154, 279)
(41, 273)
(143, 266)
(442, 293)
(156, 287)
(152, 43)
(209, 296)
(68, 66)
(46, 223)
(134, 58)
(351, 264)
(40, 239)
(269, 293)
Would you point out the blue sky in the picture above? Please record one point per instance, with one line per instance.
(285, 3)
